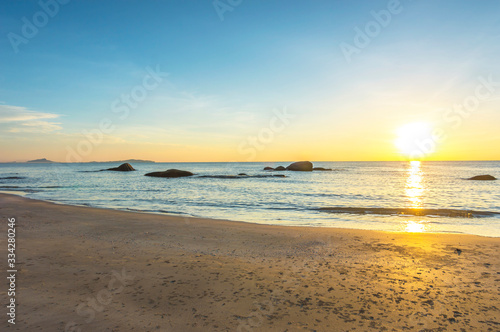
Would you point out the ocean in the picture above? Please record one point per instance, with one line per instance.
(361, 195)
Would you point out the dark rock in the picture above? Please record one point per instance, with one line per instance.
(322, 169)
(458, 251)
(279, 168)
(243, 174)
(483, 178)
(122, 168)
(301, 166)
(240, 176)
(170, 173)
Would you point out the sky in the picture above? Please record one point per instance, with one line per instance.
(241, 80)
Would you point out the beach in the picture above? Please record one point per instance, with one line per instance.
(91, 269)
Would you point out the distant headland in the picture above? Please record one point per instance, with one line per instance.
(47, 161)
(43, 160)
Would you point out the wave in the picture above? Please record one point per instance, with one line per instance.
(155, 211)
(31, 188)
(13, 178)
(455, 213)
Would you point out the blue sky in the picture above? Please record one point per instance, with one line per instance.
(225, 78)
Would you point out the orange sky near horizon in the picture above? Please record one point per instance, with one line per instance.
(458, 145)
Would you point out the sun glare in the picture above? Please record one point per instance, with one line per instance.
(415, 140)
(414, 227)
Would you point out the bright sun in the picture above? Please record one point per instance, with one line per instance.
(415, 140)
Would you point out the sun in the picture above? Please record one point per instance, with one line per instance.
(415, 140)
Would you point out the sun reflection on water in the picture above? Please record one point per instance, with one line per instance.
(414, 190)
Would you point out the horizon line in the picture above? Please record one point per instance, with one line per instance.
(263, 161)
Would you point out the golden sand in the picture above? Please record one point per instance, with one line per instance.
(87, 269)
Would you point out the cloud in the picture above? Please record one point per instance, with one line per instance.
(17, 119)
(36, 127)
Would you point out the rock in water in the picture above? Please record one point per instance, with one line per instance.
(122, 168)
(301, 166)
(170, 173)
(322, 169)
(240, 176)
(279, 168)
(483, 178)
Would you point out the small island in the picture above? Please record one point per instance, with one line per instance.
(43, 160)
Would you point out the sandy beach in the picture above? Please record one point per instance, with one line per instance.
(88, 269)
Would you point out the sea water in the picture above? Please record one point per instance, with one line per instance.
(294, 200)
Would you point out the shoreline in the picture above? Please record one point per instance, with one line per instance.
(198, 274)
(23, 195)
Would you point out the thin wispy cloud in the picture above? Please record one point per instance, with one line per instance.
(36, 127)
(18, 119)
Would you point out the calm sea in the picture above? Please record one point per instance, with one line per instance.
(293, 200)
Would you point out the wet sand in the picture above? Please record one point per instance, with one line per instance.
(87, 269)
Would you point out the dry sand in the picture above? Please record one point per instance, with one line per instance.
(86, 269)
